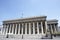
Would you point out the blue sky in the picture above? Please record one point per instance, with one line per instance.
(13, 9)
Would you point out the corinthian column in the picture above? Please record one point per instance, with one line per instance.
(16, 29)
(51, 28)
(4, 29)
(10, 28)
(33, 28)
(13, 29)
(29, 28)
(19, 29)
(22, 28)
(42, 27)
(7, 29)
(25, 28)
(54, 28)
(46, 26)
(37, 28)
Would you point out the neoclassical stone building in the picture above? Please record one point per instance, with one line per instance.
(30, 27)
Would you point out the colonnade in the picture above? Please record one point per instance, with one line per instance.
(24, 28)
(52, 28)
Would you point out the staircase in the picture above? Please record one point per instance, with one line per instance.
(13, 36)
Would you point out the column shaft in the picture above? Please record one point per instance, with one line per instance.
(3, 29)
(29, 28)
(7, 29)
(25, 28)
(33, 28)
(54, 28)
(19, 29)
(51, 28)
(10, 28)
(42, 27)
(22, 28)
(13, 29)
(46, 26)
(37, 28)
(16, 29)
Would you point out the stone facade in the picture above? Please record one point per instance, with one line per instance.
(30, 27)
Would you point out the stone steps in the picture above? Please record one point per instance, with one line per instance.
(26, 37)
(32, 36)
(2, 36)
(21, 36)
